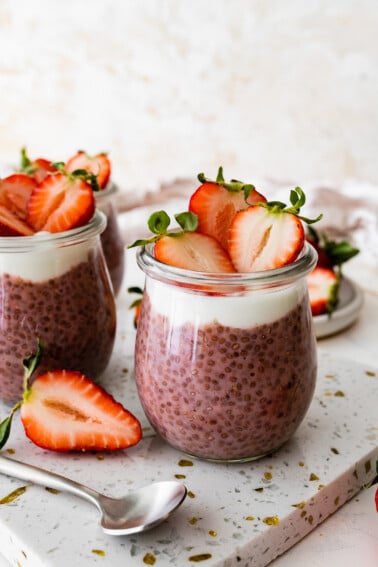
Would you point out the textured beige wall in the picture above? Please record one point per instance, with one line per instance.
(286, 90)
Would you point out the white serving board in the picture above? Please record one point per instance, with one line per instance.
(222, 519)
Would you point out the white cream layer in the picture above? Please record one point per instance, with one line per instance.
(43, 261)
(242, 311)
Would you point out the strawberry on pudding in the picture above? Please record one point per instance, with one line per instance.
(54, 284)
(111, 239)
(225, 357)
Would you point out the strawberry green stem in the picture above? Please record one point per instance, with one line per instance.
(297, 200)
(83, 174)
(30, 364)
(159, 222)
(234, 185)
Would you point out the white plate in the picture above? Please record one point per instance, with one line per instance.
(346, 312)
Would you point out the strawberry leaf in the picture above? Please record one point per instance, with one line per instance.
(5, 425)
(135, 303)
(297, 200)
(220, 178)
(59, 165)
(135, 289)
(5, 428)
(234, 185)
(159, 222)
(83, 174)
(31, 362)
(187, 220)
(339, 252)
(26, 166)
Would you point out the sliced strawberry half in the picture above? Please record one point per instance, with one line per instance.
(193, 251)
(15, 191)
(66, 411)
(11, 225)
(59, 203)
(260, 239)
(323, 284)
(99, 165)
(216, 203)
(42, 168)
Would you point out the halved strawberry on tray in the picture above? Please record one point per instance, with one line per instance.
(98, 164)
(64, 410)
(216, 202)
(61, 202)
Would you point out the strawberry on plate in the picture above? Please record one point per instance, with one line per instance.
(323, 284)
(99, 165)
(15, 191)
(66, 411)
(267, 236)
(216, 202)
(11, 225)
(61, 202)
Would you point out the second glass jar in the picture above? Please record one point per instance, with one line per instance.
(225, 365)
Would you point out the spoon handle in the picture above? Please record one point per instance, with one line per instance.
(31, 473)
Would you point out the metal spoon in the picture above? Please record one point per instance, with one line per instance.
(139, 511)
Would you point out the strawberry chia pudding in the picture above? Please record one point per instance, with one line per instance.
(226, 366)
(55, 287)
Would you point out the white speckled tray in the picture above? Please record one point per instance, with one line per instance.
(221, 522)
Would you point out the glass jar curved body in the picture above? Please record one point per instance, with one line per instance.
(225, 366)
(111, 238)
(55, 287)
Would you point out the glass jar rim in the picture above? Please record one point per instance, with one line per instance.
(301, 267)
(109, 190)
(93, 228)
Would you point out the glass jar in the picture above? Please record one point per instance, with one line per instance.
(225, 365)
(111, 239)
(55, 287)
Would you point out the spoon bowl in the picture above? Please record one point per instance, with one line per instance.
(136, 512)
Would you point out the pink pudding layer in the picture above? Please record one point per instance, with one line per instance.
(73, 314)
(226, 393)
